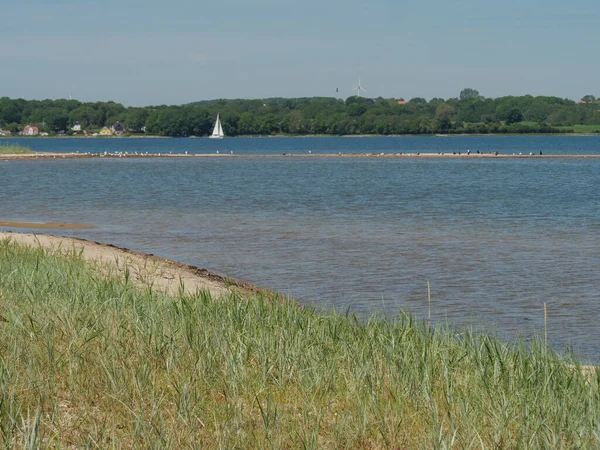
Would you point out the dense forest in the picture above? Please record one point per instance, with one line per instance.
(469, 113)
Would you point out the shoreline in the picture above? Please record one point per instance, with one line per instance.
(150, 271)
(147, 270)
(59, 156)
(144, 269)
(93, 358)
(249, 136)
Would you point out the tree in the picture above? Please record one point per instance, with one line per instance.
(436, 101)
(9, 111)
(136, 118)
(56, 119)
(230, 123)
(318, 124)
(588, 98)
(468, 94)
(356, 109)
(356, 115)
(247, 124)
(86, 116)
(444, 111)
(13, 127)
(198, 121)
(167, 122)
(504, 106)
(108, 111)
(293, 123)
(538, 111)
(514, 116)
(268, 124)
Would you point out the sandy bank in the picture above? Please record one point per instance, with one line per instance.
(144, 269)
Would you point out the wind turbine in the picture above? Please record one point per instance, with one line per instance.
(359, 88)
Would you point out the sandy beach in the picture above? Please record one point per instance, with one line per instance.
(145, 270)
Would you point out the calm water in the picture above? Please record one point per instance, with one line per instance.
(551, 145)
(496, 238)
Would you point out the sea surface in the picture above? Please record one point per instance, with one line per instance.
(508, 145)
(495, 238)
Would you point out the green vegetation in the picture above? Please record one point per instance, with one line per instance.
(469, 113)
(14, 150)
(588, 129)
(92, 362)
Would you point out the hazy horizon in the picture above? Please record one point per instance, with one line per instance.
(154, 53)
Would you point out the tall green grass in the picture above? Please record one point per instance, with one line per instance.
(14, 150)
(97, 363)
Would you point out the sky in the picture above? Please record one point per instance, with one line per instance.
(153, 52)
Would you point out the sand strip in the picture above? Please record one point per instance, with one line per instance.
(144, 269)
(463, 155)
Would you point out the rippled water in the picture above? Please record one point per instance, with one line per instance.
(550, 145)
(496, 238)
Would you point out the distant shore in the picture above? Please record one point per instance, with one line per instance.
(252, 136)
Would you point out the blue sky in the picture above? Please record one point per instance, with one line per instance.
(172, 52)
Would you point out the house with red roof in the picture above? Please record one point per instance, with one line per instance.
(31, 130)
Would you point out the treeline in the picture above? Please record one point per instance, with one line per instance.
(469, 113)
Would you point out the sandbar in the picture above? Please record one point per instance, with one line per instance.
(462, 155)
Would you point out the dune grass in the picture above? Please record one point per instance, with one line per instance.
(92, 362)
(14, 150)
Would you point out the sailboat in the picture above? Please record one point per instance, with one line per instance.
(218, 130)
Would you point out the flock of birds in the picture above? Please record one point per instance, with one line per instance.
(128, 154)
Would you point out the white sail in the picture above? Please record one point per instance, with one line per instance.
(218, 130)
